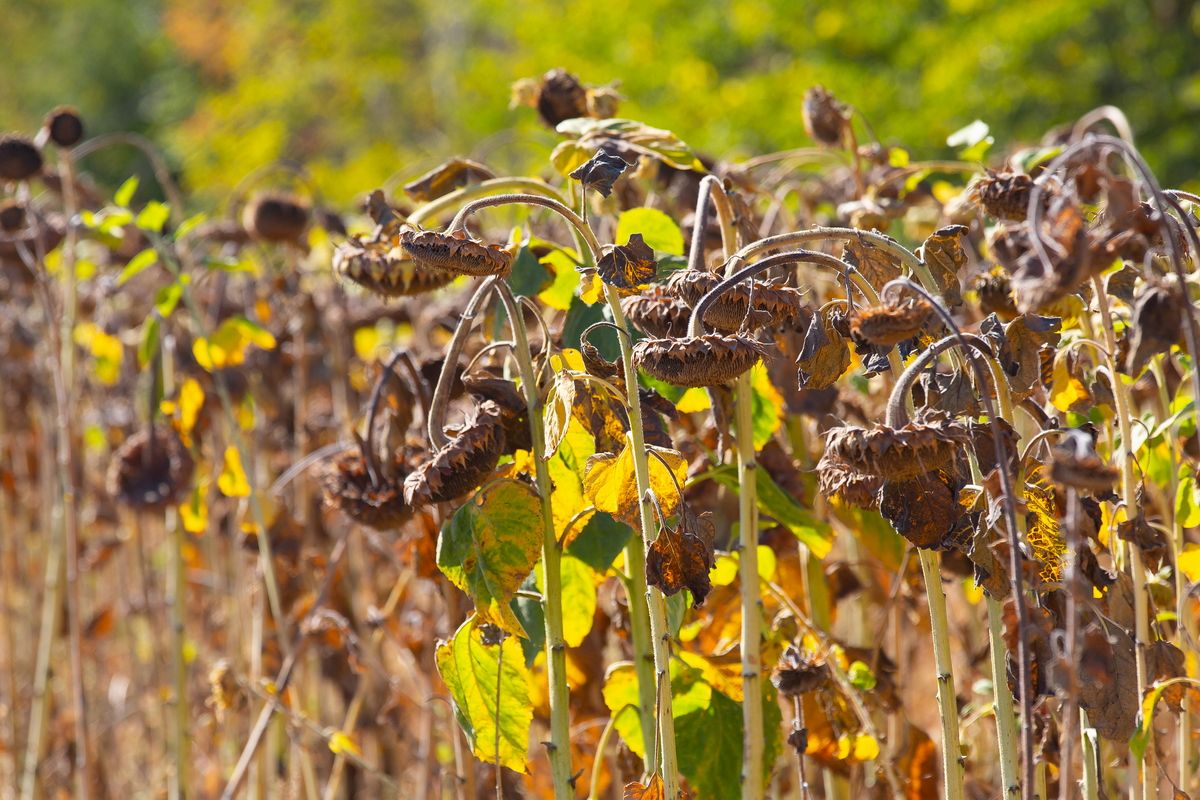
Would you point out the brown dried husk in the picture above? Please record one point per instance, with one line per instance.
(150, 481)
(64, 126)
(772, 305)
(824, 116)
(799, 672)
(1005, 195)
(898, 454)
(682, 558)
(1088, 472)
(456, 252)
(514, 416)
(464, 463)
(383, 269)
(657, 312)
(995, 295)
(20, 158)
(561, 97)
(347, 486)
(708, 360)
(276, 218)
(890, 323)
(838, 479)
(924, 510)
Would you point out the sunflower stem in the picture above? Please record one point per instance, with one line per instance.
(655, 603)
(952, 768)
(559, 749)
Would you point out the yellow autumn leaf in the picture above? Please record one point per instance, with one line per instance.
(191, 399)
(193, 513)
(610, 483)
(591, 289)
(1066, 391)
(106, 350)
(340, 743)
(228, 344)
(857, 747)
(232, 481)
(694, 400)
(557, 412)
(1189, 562)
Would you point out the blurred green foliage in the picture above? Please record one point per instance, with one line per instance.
(367, 89)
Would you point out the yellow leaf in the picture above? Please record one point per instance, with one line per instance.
(857, 747)
(1066, 391)
(228, 343)
(191, 399)
(694, 400)
(609, 482)
(1189, 562)
(194, 513)
(340, 743)
(591, 289)
(558, 412)
(233, 482)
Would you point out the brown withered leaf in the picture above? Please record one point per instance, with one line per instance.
(445, 178)
(1018, 345)
(1165, 661)
(923, 510)
(943, 253)
(601, 171)
(825, 355)
(628, 267)
(799, 672)
(919, 766)
(681, 558)
(645, 791)
(1158, 322)
(1108, 681)
(875, 263)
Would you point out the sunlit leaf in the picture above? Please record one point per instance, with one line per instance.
(138, 263)
(191, 399)
(628, 267)
(767, 413)
(126, 191)
(340, 743)
(228, 344)
(779, 506)
(232, 481)
(657, 229)
(557, 411)
(153, 216)
(610, 483)
(489, 685)
(490, 546)
(578, 599)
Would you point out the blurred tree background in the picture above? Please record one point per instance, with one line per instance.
(360, 90)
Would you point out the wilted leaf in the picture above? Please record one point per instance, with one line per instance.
(601, 171)
(1108, 681)
(631, 138)
(681, 558)
(1067, 392)
(489, 685)
(876, 264)
(825, 355)
(644, 791)
(489, 547)
(1043, 532)
(628, 267)
(610, 483)
(943, 253)
(228, 345)
(558, 411)
(445, 178)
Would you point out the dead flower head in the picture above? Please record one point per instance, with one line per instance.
(463, 463)
(891, 322)
(20, 158)
(151, 470)
(348, 486)
(657, 312)
(456, 253)
(731, 311)
(385, 270)
(708, 360)
(278, 218)
(897, 454)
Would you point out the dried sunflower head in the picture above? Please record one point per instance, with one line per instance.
(12, 216)
(347, 486)
(922, 445)
(379, 267)
(456, 253)
(799, 672)
(708, 360)
(1074, 464)
(924, 510)
(275, 217)
(1004, 195)
(657, 312)
(514, 414)
(561, 97)
(63, 126)
(20, 158)
(463, 463)
(891, 322)
(838, 479)
(772, 305)
(825, 116)
(151, 470)
(995, 294)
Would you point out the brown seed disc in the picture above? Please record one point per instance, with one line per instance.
(708, 360)
(150, 475)
(921, 446)
(995, 295)
(923, 510)
(347, 486)
(464, 463)
(838, 479)
(385, 270)
(657, 312)
(890, 323)
(514, 417)
(12, 216)
(455, 253)
(799, 672)
(561, 97)
(64, 126)
(1005, 195)
(20, 158)
(276, 218)
(824, 116)
(772, 304)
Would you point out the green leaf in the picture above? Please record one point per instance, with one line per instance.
(190, 224)
(126, 191)
(149, 343)
(709, 743)
(529, 276)
(599, 542)
(861, 677)
(559, 293)
(230, 264)
(153, 216)
(777, 504)
(166, 298)
(767, 411)
(578, 598)
(658, 230)
(689, 694)
(490, 545)
(141, 261)
(1187, 510)
(489, 684)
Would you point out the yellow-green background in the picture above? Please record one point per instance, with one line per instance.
(362, 90)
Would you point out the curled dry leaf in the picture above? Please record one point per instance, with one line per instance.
(944, 254)
(602, 170)
(628, 267)
(824, 116)
(1108, 681)
(877, 264)
(825, 356)
(681, 558)
(1087, 471)
(1159, 318)
(445, 178)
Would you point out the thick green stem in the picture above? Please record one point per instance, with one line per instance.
(643, 647)
(1006, 717)
(752, 709)
(656, 605)
(556, 649)
(952, 768)
(1144, 787)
